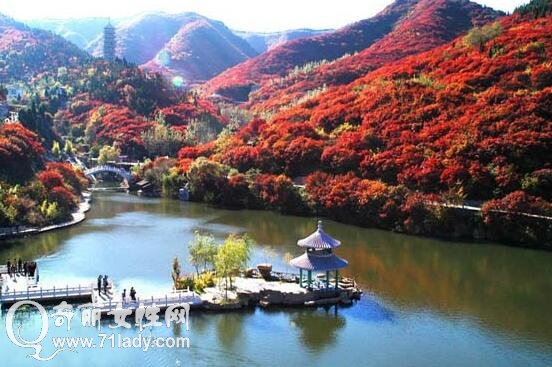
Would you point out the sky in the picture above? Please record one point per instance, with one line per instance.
(250, 15)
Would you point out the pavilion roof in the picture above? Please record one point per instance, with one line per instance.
(316, 261)
(319, 240)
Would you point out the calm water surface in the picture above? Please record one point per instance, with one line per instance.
(427, 302)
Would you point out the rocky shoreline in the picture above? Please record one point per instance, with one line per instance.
(257, 292)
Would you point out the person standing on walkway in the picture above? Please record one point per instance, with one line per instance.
(105, 283)
(19, 265)
(124, 296)
(132, 294)
(99, 284)
(9, 268)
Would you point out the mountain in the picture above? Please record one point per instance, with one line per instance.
(26, 51)
(468, 120)
(404, 19)
(428, 24)
(140, 39)
(187, 45)
(79, 31)
(237, 82)
(200, 50)
(262, 42)
(474, 114)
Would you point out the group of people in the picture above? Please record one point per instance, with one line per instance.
(103, 282)
(132, 295)
(27, 268)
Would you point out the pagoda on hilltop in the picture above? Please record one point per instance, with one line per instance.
(109, 42)
(318, 257)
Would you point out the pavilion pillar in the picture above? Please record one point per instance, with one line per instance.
(327, 279)
(301, 278)
(309, 279)
(336, 278)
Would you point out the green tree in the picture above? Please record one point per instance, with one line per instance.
(94, 125)
(176, 271)
(232, 257)
(207, 179)
(479, 36)
(3, 92)
(204, 130)
(202, 250)
(537, 8)
(171, 182)
(108, 153)
(161, 140)
(50, 211)
(68, 148)
(56, 150)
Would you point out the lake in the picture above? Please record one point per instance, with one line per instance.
(426, 302)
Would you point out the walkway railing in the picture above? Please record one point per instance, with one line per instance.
(161, 302)
(41, 294)
(108, 168)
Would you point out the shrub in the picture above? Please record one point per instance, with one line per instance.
(480, 36)
(184, 283)
(278, 192)
(204, 280)
(207, 179)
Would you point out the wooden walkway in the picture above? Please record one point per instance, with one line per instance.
(20, 288)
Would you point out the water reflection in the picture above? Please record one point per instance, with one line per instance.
(504, 289)
(230, 330)
(317, 330)
(500, 286)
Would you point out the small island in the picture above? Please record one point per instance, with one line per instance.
(224, 282)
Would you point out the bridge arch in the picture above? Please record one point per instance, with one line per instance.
(121, 172)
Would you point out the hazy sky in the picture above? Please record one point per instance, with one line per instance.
(255, 15)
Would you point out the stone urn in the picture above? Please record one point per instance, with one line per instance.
(265, 270)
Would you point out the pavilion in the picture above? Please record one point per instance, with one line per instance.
(318, 257)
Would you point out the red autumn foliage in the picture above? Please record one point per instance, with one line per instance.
(277, 192)
(291, 148)
(242, 158)
(426, 25)
(368, 202)
(123, 126)
(73, 178)
(237, 82)
(184, 165)
(252, 130)
(20, 152)
(63, 184)
(116, 124)
(452, 117)
(25, 51)
(50, 179)
(236, 193)
(345, 154)
(518, 202)
(182, 113)
(505, 219)
(204, 150)
(63, 197)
